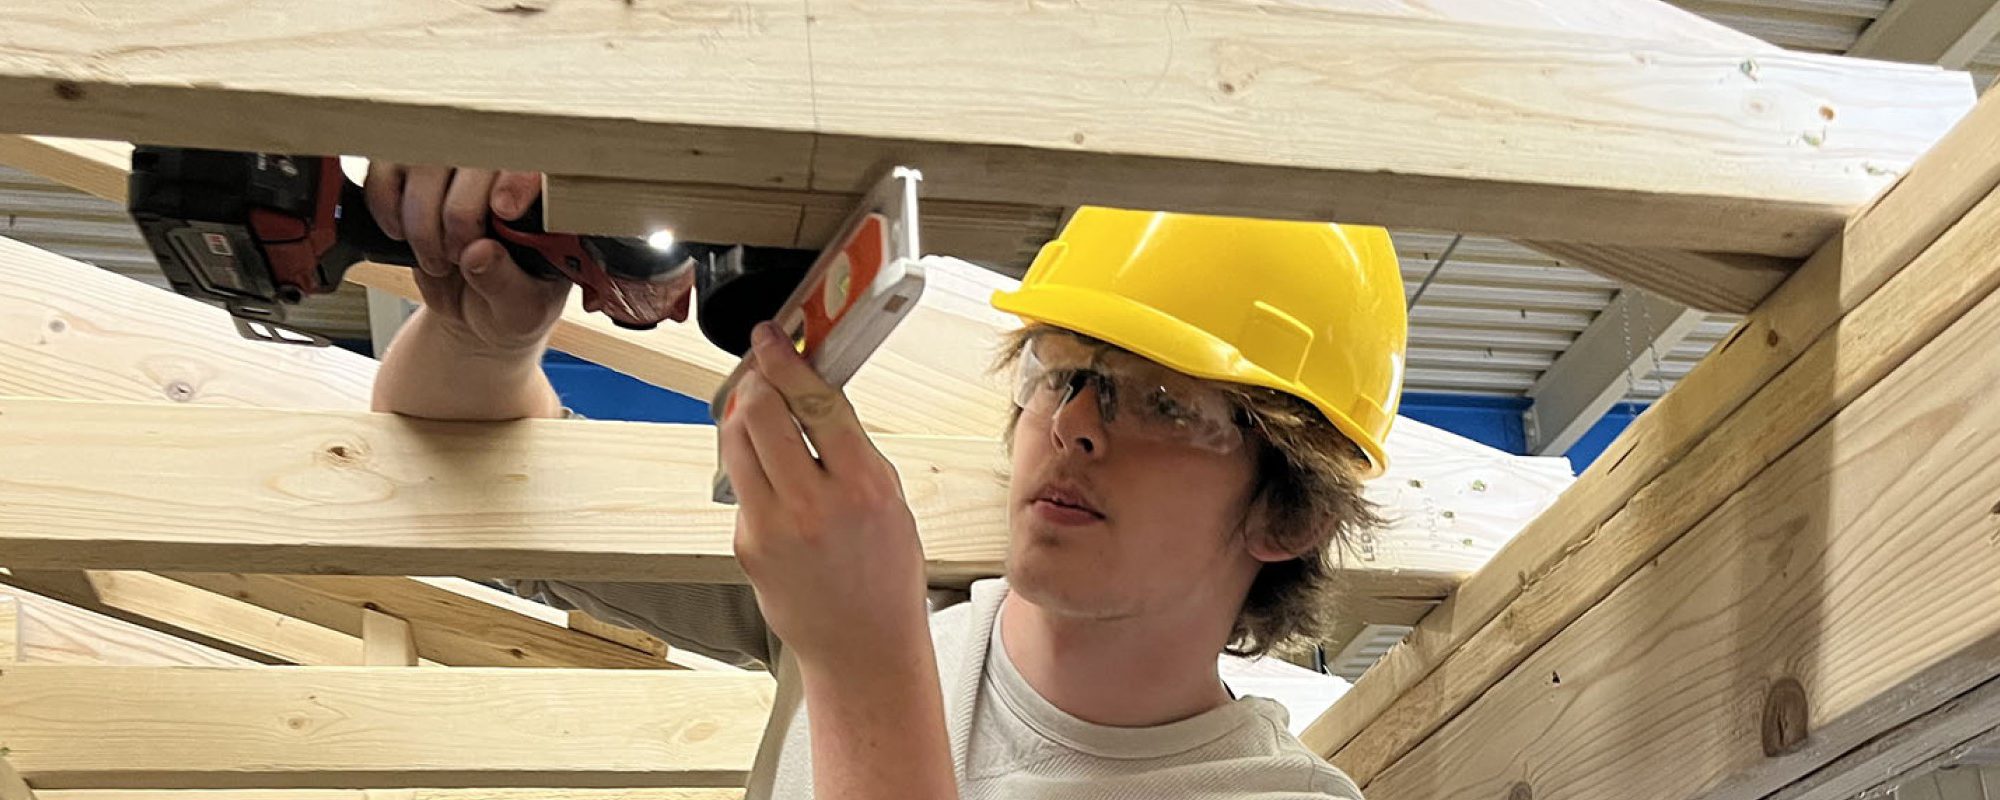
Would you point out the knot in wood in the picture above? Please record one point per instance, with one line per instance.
(179, 391)
(1521, 791)
(1784, 717)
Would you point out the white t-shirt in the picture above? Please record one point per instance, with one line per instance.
(1008, 742)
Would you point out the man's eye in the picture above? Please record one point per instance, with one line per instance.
(1057, 379)
(1164, 404)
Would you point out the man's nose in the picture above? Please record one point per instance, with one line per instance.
(1079, 423)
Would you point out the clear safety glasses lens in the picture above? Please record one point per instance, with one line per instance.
(1135, 397)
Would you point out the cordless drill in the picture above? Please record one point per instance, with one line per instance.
(259, 232)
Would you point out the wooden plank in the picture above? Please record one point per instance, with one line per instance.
(1703, 281)
(1959, 733)
(450, 628)
(11, 785)
(1947, 32)
(931, 376)
(364, 493)
(1650, 18)
(199, 616)
(636, 639)
(68, 329)
(58, 633)
(1939, 190)
(1931, 293)
(1823, 604)
(10, 630)
(1000, 234)
(403, 794)
(1010, 235)
(1758, 164)
(386, 641)
(390, 727)
(95, 167)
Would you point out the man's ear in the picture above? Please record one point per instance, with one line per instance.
(1266, 547)
(1262, 544)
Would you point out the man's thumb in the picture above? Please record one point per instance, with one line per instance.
(491, 272)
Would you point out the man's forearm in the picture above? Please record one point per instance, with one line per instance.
(433, 371)
(878, 729)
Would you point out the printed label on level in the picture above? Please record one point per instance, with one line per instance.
(218, 244)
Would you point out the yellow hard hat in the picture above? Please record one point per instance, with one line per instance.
(1311, 309)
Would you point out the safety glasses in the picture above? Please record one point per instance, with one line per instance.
(1136, 398)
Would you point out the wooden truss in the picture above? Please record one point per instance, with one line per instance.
(1771, 586)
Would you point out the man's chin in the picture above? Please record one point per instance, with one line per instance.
(1064, 586)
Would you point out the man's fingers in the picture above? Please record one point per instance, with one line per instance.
(781, 449)
(518, 301)
(739, 462)
(383, 188)
(423, 224)
(821, 409)
(514, 191)
(465, 208)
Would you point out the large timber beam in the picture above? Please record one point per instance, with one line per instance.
(199, 616)
(54, 632)
(1191, 106)
(449, 627)
(1907, 268)
(1833, 597)
(1946, 32)
(364, 493)
(402, 794)
(367, 728)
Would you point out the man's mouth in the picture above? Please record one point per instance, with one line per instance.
(1066, 500)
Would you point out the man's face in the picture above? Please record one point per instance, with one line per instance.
(1124, 517)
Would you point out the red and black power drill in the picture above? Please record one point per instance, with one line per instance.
(258, 232)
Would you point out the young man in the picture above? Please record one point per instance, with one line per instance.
(1197, 401)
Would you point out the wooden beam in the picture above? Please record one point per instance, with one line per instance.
(1832, 598)
(1958, 733)
(1623, 344)
(58, 633)
(10, 630)
(1758, 164)
(1650, 18)
(450, 628)
(386, 641)
(92, 166)
(11, 785)
(1877, 245)
(198, 616)
(931, 376)
(395, 794)
(355, 727)
(1946, 32)
(1731, 283)
(999, 234)
(364, 493)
